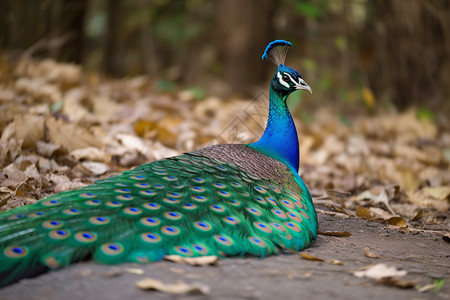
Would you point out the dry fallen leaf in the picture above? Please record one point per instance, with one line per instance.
(363, 213)
(397, 221)
(335, 233)
(309, 257)
(134, 271)
(95, 168)
(194, 261)
(70, 136)
(90, 153)
(335, 262)
(379, 271)
(398, 282)
(369, 253)
(176, 289)
(437, 192)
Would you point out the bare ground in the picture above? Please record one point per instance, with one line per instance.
(425, 256)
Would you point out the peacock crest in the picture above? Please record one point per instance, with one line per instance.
(276, 51)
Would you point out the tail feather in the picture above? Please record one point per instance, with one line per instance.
(188, 205)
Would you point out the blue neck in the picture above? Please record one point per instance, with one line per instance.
(280, 139)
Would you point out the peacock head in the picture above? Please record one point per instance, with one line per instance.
(286, 80)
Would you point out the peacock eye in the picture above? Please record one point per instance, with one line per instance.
(285, 78)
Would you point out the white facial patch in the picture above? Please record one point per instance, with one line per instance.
(280, 79)
(292, 79)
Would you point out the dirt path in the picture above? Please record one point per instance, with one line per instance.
(424, 256)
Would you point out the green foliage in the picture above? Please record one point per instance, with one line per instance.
(439, 283)
(425, 114)
(309, 10)
(165, 86)
(198, 92)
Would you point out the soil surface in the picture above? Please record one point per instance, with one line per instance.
(425, 256)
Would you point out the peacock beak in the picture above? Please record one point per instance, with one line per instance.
(302, 85)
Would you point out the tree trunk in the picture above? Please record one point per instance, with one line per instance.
(243, 30)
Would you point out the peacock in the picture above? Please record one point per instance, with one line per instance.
(224, 200)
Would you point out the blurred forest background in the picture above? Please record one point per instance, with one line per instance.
(352, 52)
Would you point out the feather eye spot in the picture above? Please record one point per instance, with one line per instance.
(114, 204)
(224, 193)
(170, 230)
(197, 189)
(262, 227)
(174, 195)
(123, 190)
(257, 241)
(292, 226)
(260, 189)
(254, 211)
(183, 251)
(189, 207)
(71, 212)
(36, 214)
(272, 201)
(203, 250)
(171, 215)
(159, 186)
(217, 208)
(275, 189)
(52, 224)
(279, 213)
(99, 220)
(198, 180)
(278, 227)
(171, 200)
(294, 217)
(125, 197)
(51, 203)
(132, 211)
(219, 185)
(223, 240)
(60, 234)
(19, 216)
(231, 220)
(85, 237)
(87, 195)
(142, 185)
(138, 177)
(235, 203)
(92, 203)
(15, 252)
(150, 237)
(112, 249)
(147, 193)
(236, 184)
(287, 203)
(151, 206)
(203, 226)
(199, 198)
(150, 222)
(170, 178)
(261, 200)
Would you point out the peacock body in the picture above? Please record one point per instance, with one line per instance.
(225, 200)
